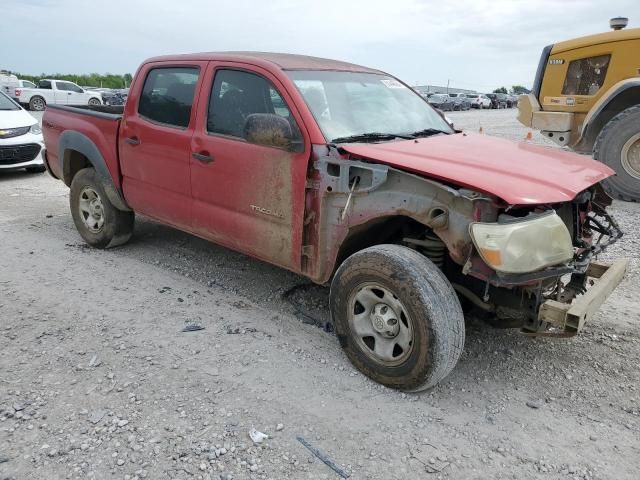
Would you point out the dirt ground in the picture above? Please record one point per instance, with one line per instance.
(98, 380)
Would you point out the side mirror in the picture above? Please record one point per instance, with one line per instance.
(268, 129)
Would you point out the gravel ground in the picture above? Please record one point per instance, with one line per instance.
(98, 380)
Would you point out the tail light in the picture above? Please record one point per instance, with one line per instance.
(18, 92)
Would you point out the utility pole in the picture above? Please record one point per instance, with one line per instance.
(448, 86)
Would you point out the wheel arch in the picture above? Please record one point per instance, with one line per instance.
(76, 152)
(623, 95)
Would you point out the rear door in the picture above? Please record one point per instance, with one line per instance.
(248, 165)
(155, 140)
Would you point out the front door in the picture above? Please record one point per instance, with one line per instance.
(155, 141)
(248, 165)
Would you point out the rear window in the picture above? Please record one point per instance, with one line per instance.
(586, 76)
(167, 95)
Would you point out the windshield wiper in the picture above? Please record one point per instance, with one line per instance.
(363, 137)
(427, 132)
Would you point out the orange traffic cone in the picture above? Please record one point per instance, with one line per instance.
(529, 136)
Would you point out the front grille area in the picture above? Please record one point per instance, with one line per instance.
(12, 154)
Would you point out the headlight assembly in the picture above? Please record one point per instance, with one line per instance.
(523, 245)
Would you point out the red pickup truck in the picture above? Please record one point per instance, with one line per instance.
(344, 174)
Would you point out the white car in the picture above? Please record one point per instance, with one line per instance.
(56, 92)
(21, 142)
(479, 100)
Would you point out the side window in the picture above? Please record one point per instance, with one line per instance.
(167, 95)
(64, 86)
(247, 106)
(586, 76)
(45, 84)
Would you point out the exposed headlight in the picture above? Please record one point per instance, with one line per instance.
(523, 245)
(35, 129)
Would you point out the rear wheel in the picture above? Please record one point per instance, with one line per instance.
(99, 223)
(397, 317)
(37, 103)
(618, 146)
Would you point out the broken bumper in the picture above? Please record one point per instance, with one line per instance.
(571, 317)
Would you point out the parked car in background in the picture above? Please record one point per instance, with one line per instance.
(497, 101)
(503, 99)
(26, 84)
(479, 100)
(512, 101)
(56, 92)
(21, 141)
(460, 101)
(8, 84)
(441, 101)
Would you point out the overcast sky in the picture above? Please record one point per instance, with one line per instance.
(477, 44)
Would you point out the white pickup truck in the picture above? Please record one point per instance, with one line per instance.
(56, 92)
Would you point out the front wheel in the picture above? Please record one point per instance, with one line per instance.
(397, 317)
(94, 102)
(618, 146)
(99, 223)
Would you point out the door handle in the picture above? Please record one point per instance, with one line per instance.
(203, 157)
(132, 140)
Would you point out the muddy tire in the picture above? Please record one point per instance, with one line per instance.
(618, 146)
(397, 317)
(37, 103)
(99, 223)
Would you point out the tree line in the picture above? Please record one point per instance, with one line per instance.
(515, 90)
(106, 80)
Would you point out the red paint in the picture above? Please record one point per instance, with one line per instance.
(518, 173)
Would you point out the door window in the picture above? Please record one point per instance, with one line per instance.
(247, 106)
(68, 87)
(167, 95)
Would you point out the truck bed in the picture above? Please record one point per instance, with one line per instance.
(99, 125)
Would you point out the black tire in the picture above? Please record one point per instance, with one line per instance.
(608, 150)
(94, 102)
(37, 103)
(117, 225)
(36, 169)
(432, 309)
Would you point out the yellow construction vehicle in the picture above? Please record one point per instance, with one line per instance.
(586, 96)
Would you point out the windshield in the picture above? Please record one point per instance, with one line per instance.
(348, 104)
(6, 103)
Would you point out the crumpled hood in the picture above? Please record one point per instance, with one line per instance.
(518, 173)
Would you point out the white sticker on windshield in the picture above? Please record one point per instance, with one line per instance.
(391, 83)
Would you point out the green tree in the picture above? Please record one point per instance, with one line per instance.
(500, 90)
(519, 90)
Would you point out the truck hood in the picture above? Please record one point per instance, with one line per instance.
(518, 173)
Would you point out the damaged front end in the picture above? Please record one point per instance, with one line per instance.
(557, 298)
(532, 269)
